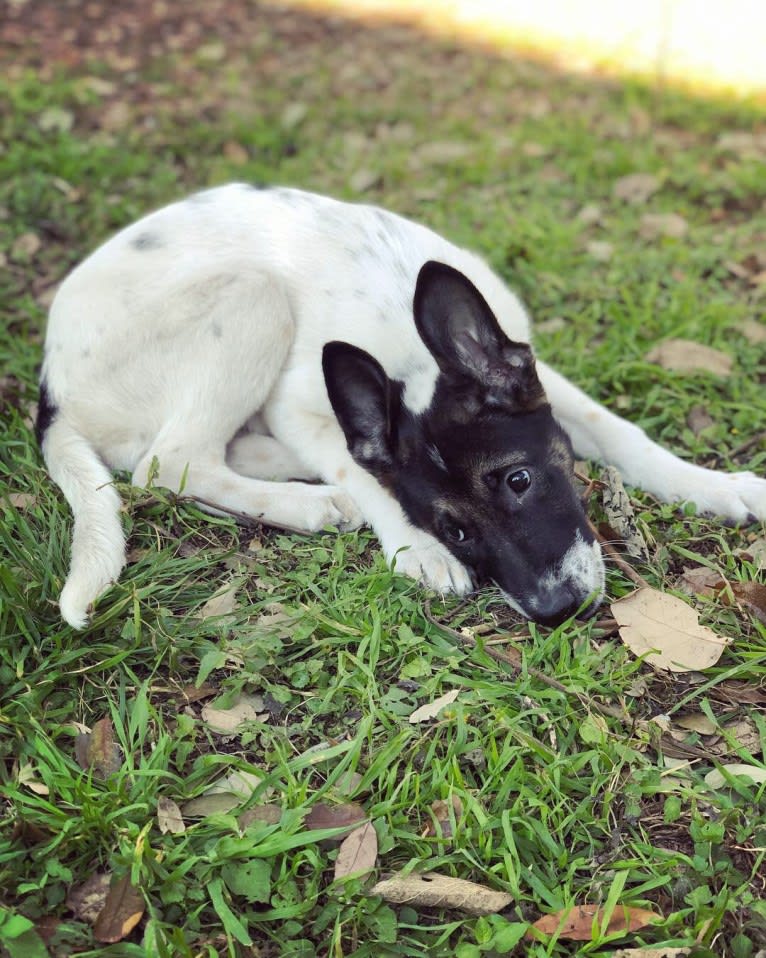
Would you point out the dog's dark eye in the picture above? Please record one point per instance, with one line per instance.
(519, 481)
(453, 531)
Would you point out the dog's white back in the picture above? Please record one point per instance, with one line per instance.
(192, 341)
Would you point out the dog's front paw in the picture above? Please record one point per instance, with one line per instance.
(739, 496)
(431, 563)
(324, 506)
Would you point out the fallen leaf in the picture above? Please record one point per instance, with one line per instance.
(235, 152)
(590, 214)
(444, 814)
(755, 552)
(635, 187)
(654, 225)
(358, 853)
(697, 722)
(97, 750)
(348, 783)
(221, 603)
(363, 180)
(669, 952)
(744, 143)
(700, 580)
(293, 115)
(667, 631)
(86, 901)
(699, 419)
(22, 500)
(346, 816)
(576, 923)
(716, 779)
(753, 330)
(442, 151)
(751, 596)
(620, 514)
(246, 708)
(432, 890)
(431, 709)
(223, 795)
(26, 246)
(268, 814)
(685, 356)
(28, 777)
(56, 119)
(122, 911)
(744, 733)
(600, 250)
(169, 817)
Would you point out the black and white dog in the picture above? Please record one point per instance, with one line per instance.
(244, 337)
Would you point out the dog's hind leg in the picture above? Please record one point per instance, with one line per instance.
(263, 457)
(597, 433)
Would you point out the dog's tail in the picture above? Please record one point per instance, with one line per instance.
(98, 543)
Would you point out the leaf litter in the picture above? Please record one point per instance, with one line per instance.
(576, 923)
(433, 890)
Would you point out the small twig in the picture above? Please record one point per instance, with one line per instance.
(242, 517)
(748, 444)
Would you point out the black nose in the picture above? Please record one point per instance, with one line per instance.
(556, 607)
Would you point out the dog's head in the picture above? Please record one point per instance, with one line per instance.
(484, 468)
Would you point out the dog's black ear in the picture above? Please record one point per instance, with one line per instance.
(365, 402)
(464, 337)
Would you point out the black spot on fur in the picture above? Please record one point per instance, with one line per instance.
(146, 241)
(46, 413)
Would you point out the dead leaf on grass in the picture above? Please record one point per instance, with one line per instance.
(432, 890)
(97, 750)
(444, 812)
(169, 817)
(431, 709)
(654, 225)
(620, 514)
(358, 853)
(27, 777)
(700, 580)
(752, 597)
(347, 816)
(246, 708)
(716, 779)
(576, 923)
(224, 795)
(660, 952)
(753, 330)
(268, 814)
(122, 911)
(697, 722)
(699, 419)
(686, 356)
(600, 250)
(221, 603)
(636, 187)
(755, 552)
(22, 500)
(667, 631)
(86, 901)
(26, 247)
(743, 733)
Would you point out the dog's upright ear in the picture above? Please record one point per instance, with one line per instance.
(366, 403)
(464, 337)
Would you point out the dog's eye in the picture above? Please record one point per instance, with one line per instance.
(454, 532)
(519, 481)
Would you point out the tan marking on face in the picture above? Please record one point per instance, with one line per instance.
(340, 475)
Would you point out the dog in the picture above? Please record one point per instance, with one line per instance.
(245, 342)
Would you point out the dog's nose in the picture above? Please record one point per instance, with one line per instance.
(556, 607)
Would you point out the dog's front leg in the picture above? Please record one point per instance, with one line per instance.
(599, 434)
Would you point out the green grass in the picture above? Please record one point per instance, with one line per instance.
(561, 804)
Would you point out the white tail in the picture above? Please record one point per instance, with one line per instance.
(98, 543)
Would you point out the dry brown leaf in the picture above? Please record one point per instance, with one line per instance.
(636, 187)
(590, 214)
(363, 180)
(97, 750)
(169, 817)
(431, 709)
(268, 814)
(753, 330)
(600, 250)
(686, 356)
(346, 816)
(122, 911)
(213, 803)
(246, 708)
(22, 500)
(755, 552)
(26, 246)
(752, 597)
(745, 734)
(716, 779)
(358, 853)
(432, 890)
(669, 952)
(699, 419)
(654, 225)
(700, 580)
(441, 824)
(668, 629)
(576, 923)
(86, 901)
(697, 722)
(620, 515)
(221, 603)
